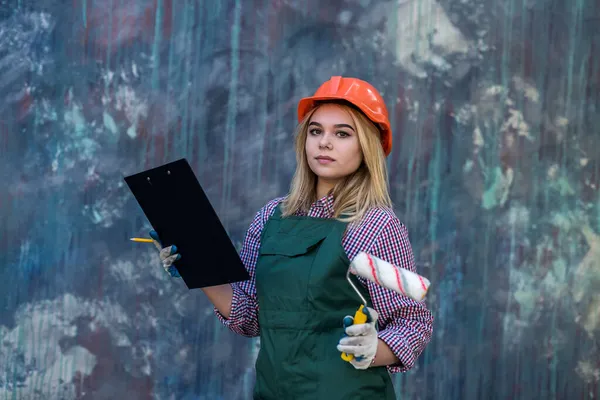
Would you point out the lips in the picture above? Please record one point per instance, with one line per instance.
(324, 158)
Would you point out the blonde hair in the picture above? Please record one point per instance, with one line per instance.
(360, 191)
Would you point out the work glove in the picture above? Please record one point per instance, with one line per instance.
(168, 255)
(360, 339)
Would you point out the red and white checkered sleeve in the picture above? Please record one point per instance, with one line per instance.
(405, 325)
(243, 317)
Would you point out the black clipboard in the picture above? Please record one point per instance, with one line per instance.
(179, 211)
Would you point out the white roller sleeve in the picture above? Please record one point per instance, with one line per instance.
(390, 276)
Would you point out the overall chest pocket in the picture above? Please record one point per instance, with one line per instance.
(283, 271)
(291, 246)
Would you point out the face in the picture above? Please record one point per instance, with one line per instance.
(332, 148)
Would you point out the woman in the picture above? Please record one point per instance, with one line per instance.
(297, 251)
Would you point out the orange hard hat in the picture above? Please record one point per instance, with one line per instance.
(359, 93)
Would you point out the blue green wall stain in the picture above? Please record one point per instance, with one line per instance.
(495, 171)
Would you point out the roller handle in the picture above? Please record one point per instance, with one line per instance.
(360, 317)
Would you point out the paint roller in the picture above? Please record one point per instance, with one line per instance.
(387, 275)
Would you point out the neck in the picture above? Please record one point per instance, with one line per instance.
(324, 187)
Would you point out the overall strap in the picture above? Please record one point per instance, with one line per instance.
(278, 211)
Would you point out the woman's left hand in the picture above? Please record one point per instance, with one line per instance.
(361, 340)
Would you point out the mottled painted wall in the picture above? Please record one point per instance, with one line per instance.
(495, 171)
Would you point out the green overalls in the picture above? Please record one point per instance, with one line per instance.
(303, 296)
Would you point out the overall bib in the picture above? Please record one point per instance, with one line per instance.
(303, 297)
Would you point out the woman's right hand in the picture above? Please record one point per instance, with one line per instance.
(167, 255)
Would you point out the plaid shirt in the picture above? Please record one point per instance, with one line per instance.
(405, 325)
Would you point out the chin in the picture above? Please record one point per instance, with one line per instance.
(327, 175)
(326, 172)
(322, 172)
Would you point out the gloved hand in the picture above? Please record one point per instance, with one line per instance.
(360, 340)
(167, 255)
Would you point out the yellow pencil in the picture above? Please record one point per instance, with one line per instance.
(141, 240)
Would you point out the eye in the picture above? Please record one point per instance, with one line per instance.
(343, 134)
(314, 131)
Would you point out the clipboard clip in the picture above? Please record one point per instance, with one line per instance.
(150, 181)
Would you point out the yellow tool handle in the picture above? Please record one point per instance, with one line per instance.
(359, 318)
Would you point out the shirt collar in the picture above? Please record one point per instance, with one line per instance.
(325, 202)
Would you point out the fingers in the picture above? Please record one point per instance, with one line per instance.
(346, 349)
(169, 267)
(173, 271)
(359, 329)
(168, 255)
(357, 351)
(167, 252)
(363, 348)
(167, 262)
(360, 340)
(361, 362)
(372, 315)
(352, 341)
(348, 321)
(155, 240)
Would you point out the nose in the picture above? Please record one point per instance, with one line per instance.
(325, 140)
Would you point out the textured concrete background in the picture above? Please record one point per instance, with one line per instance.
(495, 171)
